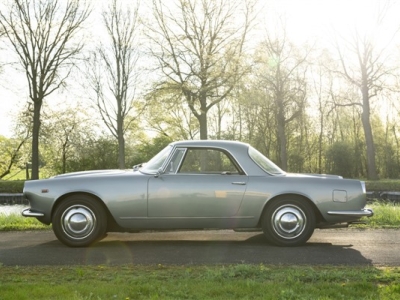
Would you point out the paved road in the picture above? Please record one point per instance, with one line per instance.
(336, 247)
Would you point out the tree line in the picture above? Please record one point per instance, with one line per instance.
(194, 70)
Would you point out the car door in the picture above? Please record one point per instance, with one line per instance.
(198, 183)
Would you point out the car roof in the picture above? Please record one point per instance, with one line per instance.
(211, 143)
(239, 150)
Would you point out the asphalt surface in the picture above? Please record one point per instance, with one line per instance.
(326, 247)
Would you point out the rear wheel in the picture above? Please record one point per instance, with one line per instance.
(79, 221)
(288, 221)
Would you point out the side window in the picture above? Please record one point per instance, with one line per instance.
(207, 161)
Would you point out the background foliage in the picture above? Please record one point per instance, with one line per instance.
(307, 105)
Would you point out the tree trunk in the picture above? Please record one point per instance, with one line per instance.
(282, 143)
(121, 151)
(64, 159)
(37, 105)
(120, 137)
(369, 140)
(320, 141)
(203, 126)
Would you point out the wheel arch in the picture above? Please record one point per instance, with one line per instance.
(111, 223)
(318, 216)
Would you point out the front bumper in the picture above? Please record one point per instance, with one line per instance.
(32, 214)
(366, 212)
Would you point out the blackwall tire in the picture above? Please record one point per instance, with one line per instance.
(288, 221)
(79, 221)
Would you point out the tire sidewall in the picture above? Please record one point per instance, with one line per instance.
(98, 211)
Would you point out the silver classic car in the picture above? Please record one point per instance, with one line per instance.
(196, 185)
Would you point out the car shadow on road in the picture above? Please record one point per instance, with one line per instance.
(174, 251)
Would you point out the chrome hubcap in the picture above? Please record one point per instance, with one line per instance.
(78, 221)
(288, 221)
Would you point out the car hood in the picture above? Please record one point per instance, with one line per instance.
(96, 173)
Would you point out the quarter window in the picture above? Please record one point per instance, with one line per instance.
(265, 164)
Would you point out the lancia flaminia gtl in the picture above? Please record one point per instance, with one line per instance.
(196, 185)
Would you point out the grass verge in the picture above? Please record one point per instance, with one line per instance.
(386, 215)
(199, 282)
(17, 222)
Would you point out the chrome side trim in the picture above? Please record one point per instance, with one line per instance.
(183, 218)
(28, 213)
(348, 213)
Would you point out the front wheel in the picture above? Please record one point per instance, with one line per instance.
(79, 221)
(288, 221)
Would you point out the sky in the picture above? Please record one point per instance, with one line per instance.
(306, 20)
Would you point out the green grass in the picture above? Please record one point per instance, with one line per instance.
(199, 282)
(386, 215)
(17, 222)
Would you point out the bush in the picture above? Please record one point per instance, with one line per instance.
(11, 186)
(340, 159)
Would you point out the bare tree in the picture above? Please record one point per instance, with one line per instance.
(115, 75)
(282, 73)
(2, 33)
(199, 46)
(176, 120)
(364, 64)
(322, 88)
(42, 33)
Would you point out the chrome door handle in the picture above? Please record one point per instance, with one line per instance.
(239, 183)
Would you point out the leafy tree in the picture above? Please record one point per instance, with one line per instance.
(149, 148)
(63, 133)
(97, 153)
(10, 153)
(11, 150)
(340, 159)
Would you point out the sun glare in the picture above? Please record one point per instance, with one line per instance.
(308, 20)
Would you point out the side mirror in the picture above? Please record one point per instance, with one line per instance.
(137, 167)
(159, 173)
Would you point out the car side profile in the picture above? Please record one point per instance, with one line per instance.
(196, 185)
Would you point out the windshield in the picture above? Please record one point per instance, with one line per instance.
(265, 164)
(157, 161)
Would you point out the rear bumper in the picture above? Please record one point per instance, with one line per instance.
(31, 214)
(366, 212)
